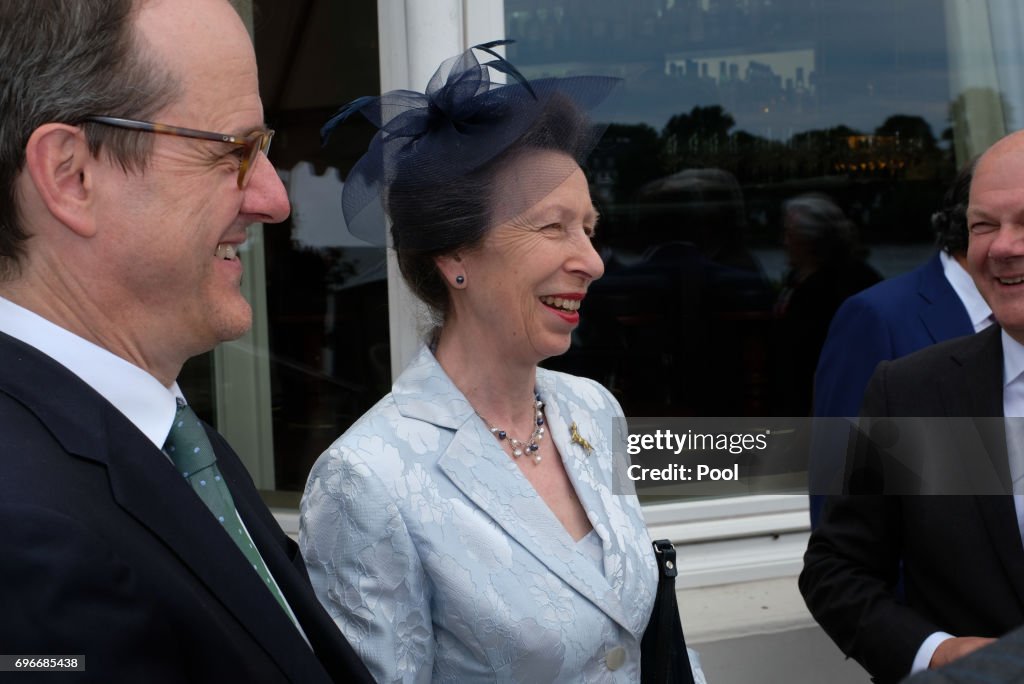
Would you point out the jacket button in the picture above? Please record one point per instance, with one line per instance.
(615, 658)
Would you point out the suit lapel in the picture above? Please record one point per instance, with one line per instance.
(971, 394)
(483, 472)
(479, 468)
(289, 570)
(976, 389)
(580, 465)
(943, 314)
(629, 566)
(145, 485)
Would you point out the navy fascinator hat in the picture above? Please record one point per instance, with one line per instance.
(437, 154)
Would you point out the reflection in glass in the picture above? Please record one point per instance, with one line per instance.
(326, 290)
(729, 111)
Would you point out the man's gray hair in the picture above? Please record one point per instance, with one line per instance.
(61, 61)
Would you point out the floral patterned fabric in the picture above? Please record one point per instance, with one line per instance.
(440, 562)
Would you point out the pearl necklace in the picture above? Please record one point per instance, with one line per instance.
(520, 447)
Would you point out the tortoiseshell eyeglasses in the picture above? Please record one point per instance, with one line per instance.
(252, 144)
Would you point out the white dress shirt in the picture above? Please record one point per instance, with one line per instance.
(963, 285)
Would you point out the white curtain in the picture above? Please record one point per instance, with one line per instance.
(1007, 21)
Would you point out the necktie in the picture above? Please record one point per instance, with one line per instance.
(193, 456)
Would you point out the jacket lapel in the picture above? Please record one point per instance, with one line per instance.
(593, 485)
(145, 485)
(142, 486)
(594, 488)
(285, 563)
(943, 314)
(971, 396)
(477, 466)
(976, 389)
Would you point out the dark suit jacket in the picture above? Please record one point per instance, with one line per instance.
(107, 553)
(963, 561)
(999, 663)
(892, 319)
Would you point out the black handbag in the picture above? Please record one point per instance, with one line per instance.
(663, 656)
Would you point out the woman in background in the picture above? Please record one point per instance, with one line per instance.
(827, 265)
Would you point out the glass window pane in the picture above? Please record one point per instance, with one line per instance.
(711, 304)
(326, 291)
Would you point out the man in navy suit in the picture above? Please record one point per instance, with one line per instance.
(935, 302)
(118, 261)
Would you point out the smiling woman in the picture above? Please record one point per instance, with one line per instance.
(468, 521)
(522, 277)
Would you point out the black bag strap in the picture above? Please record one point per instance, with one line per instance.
(664, 659)
(665, 554)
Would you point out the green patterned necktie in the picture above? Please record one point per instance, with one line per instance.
(192, 454)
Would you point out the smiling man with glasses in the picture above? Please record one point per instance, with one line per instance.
(135, 544)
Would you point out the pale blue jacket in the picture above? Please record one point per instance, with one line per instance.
(440, 562)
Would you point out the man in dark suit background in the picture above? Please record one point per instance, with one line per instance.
(935, 302)
(962, 556)
(118, 262)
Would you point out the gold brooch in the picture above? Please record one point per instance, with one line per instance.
(577, 438)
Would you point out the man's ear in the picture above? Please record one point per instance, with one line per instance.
(60, 166)
(451, 268)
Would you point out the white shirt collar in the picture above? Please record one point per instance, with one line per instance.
(138, 395)
(963, 285)
(1013, 360)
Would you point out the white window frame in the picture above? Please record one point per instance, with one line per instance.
(241, 368)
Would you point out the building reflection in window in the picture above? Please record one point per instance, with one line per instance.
(731, 108)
